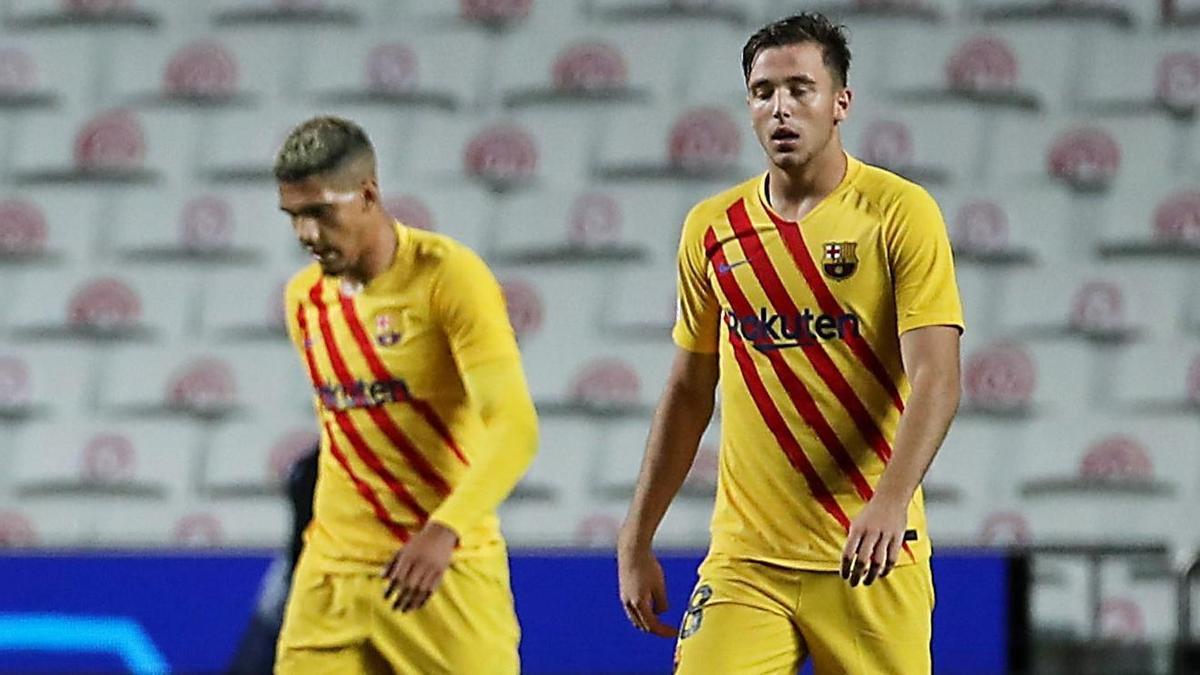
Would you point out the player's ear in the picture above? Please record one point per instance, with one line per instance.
(841, 104)
(370, 192)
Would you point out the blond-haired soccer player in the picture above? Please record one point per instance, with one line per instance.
(426, 425)
(822, 296)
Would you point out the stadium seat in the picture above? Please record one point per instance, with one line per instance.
(609, 380)
(47, 523)
(1138, 74)
(932, 146)
(1095, 302)
(241, 145)
(641, 304)
(1025, 379)
(248, 522)
(486, 14)
(591, 65)
(999, 229)
(555, 329)
(187, 72)
(583, 224)
(1148, 593)
(553, 494)
(102, 147)
(406, 66)
(466, 213)
(1107, 478)
(44, 72)
(253, 458)
(245, 305)
(1161, 376)
(509, 152)
(1156, 223)
(709, 141)
(1084, 154)
(1116, 14)
(45, 382)
(149, 461)
(1058, 603)
(97, 303)
(139, 15)
(285, 16)
(618, 459)
(206, 229)
(50, 226)
(1002, 67)
(960, 484)
(204, 383)
(733, 12)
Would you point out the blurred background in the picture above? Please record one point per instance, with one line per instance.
(151, 405)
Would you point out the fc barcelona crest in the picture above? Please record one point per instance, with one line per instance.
(841, 259)
(387, 328)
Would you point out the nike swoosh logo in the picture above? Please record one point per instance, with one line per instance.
(726, 268)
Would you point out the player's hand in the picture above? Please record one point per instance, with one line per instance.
(416, 570)
(875, 538)
(643, 590)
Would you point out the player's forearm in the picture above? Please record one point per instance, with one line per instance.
(509, 445)
(927, 415)
(679, 422)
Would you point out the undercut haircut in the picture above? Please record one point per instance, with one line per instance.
(805, 27)
(324, 146)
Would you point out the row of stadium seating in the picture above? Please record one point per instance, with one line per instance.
(562, 146)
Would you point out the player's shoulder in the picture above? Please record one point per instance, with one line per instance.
(887, 191)
(298, 286)
(712, 209)
(436, 250)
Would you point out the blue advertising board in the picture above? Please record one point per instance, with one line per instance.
(153, 613)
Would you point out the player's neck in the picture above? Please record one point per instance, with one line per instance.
(792, 193)
(379, 254)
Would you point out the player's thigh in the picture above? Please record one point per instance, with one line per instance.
(469, 624)
(737, 621)
(324, 626)
(727, 637)
(884, 628)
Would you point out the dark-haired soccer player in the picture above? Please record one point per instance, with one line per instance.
(822, 296)
(426, 426)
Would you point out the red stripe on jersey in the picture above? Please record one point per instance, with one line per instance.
(359, 485)
(793, 239)
(799, 395)
(773, 419)
(381, 372)
(817, 356)
(361, 448)
(366, 491)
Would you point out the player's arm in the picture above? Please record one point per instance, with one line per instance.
(683, 414)
(470, 308)
(931, 360)
(929, 320)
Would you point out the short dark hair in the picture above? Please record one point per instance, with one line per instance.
(321, 146)
(804, 27)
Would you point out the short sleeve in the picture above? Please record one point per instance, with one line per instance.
(697, 324)
(469, 304)
(922, 264)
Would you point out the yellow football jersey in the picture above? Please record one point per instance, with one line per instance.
(397, 431)
(806, 318)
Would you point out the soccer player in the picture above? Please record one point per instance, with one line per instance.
(426, 425)
(821, 295)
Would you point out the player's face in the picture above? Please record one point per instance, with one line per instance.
(795, 103)
(329, 221)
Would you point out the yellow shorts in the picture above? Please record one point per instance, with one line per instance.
(747, 617)
(341, 623)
